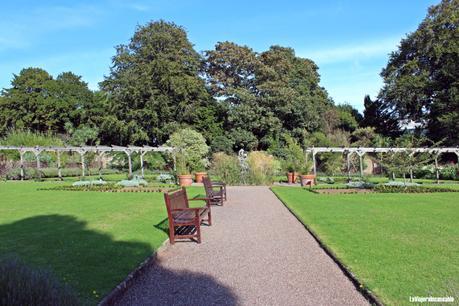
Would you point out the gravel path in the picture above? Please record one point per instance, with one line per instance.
(256, 253)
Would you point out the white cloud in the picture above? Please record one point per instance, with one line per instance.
(355, 51)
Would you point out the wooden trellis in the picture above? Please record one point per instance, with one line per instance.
(361, 151)
(99, 150)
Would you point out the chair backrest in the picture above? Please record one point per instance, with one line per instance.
(207, 185)
(175, 199)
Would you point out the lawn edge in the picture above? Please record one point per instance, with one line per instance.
(367, 294)
(117, 292)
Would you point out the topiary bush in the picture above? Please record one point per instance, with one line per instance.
(23, 285)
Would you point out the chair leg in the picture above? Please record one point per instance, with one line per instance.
(209, 218)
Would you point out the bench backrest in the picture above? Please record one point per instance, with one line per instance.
(175, 199)
(207, 185)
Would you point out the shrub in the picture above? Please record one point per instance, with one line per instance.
(383, 188)
(227, 168)
(89, 183)
(360, 185)
(449, 172)
(262, 168)
(15, 173)
(23, 285)
(135, 182)
(191, 150)
(165, 178)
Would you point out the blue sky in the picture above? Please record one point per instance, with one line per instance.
(349, 40)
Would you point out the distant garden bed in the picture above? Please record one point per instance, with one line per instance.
(114, 188)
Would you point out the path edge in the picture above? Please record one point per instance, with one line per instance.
(116, 293)
(367, 294)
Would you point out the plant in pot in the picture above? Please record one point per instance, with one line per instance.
(191, 149)
(294, 158)
(306, 178)
(199, 171)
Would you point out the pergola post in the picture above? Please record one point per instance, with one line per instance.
(437, 171)
(100, 155)
(21, 156)
(128, 153)
(348, 165)
(361, 154)
(83, 167)
(142, 153)
(59, 172)
(37, 152)
(314, 163)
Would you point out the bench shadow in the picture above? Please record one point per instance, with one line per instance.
(91, 261)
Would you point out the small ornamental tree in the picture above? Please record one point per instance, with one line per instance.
(191, 150)
(294, 155)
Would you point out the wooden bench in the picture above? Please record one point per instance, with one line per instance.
(218, 184)
(184, 221)
(215, 196)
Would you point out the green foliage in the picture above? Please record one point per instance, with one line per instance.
(262, 168)
(420, 79)
(265, 94)
(30, 139)
(191, 149)
(294, 158)
(382, 188)
(39, 103)
(226, 167)
(154, 88)
(83, 135)
(24, 285)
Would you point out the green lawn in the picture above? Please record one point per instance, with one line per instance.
(91, 240)
(398, 245)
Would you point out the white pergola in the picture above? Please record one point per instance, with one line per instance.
(361, 151)
(99, 150)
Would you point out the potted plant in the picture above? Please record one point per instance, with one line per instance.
(190, 151)
(294, 158)
(292, 175)
(306, 178)
(198, 175)
(183, 172)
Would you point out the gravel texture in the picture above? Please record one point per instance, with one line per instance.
(255, 253)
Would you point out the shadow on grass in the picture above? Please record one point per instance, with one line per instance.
(90, 261)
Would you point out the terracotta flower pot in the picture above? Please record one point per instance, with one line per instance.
(185, 180)
(308, 179)
(292, 176)
(198, 176)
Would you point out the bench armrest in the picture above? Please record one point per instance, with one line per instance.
(199, 199)
(218, 183)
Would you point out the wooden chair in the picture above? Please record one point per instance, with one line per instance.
(184, 221)
(214, 196)
(218, 184)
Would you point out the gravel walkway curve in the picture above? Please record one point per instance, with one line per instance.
(256, 253)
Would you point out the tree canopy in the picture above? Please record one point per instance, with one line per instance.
(421, 79)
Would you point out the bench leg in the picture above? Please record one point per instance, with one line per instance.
(171, 234)
(198, 231)
(209, 217)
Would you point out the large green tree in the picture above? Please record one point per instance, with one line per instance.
(37, 102)
(154, 88)
(266, 94)
(421, 80)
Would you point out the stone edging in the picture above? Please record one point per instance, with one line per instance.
(121, 288)
(359, 286)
